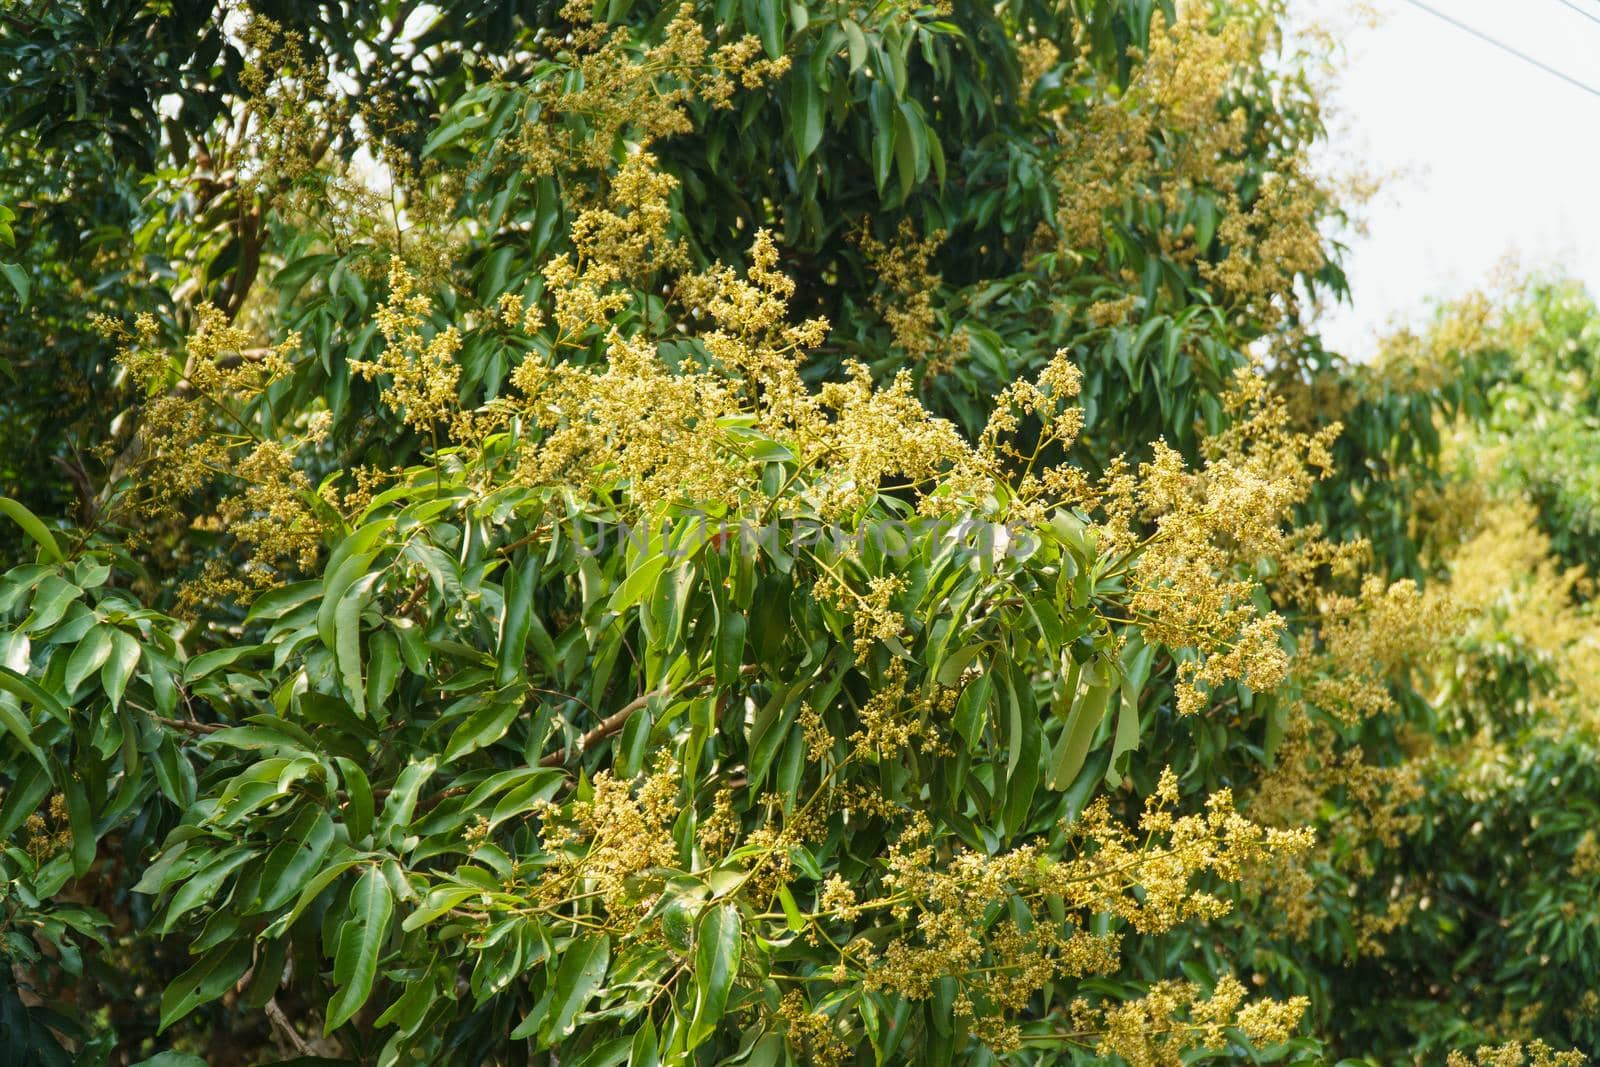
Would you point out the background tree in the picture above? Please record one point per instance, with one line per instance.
(751, 532)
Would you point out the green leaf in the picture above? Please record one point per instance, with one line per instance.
(17, 725)
(1025, 738)
(49, 550)
(806, 112)
(910, 148)
(314, 888)
(171, 1059)
(856, 41)
(276, 603)
(716, 964)
(383, 670)
(769, 24)
(402, 800)
(203, 664)
(1136, 659)
(119, 666)
(19, 280)
(361, 940)
(346, 564)
(358, 807)
(645, 1050)
(1126, 738)
(515, 622)
(294, 859)
(730, 648)
(81, 821)
(791, 910)
(457, 123)
(347, 642)
(23, 689)
(203, 886)
(583, 968)
(88, 656)
(639, 583)
(436, 903)
(483, 727)
(880, 106)
(1076, 736)
(207, 980)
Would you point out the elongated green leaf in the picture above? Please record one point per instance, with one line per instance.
(81, 821)
(402, 800)
(383, 670)
(730, 647)
(346, 565)
(276, 603)
(172, 1059)
(516, 619)
(1073, 747)
(18, 727)
(203, 886)
(716, 964)
(361, 941)
(856, 42)
(582, 969)
(49, 550)
(20, 687)
(207, 980)
(88, 656)
(51, 600)
(19, 280)
(806, 112)
(639, 583)
(336, 867)
(207, 662)
(119, 666)
(293, 860)
(347, 641)
(436, 903)
(483, 727)
(358, 805)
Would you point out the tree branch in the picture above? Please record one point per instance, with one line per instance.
(614, 722)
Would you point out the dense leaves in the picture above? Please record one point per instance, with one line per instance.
(759, 533)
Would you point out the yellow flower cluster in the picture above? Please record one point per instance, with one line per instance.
(906, 302)
(604, 841)
(1517, 1054)
(1179, 128)
(1369, 641)
(1148, 883)
(1505, 575)
(196, 432)
(646, 92)
(286, 158)
(1193, 578)
(1175, 1019)
(422, 372)
(811, 1032)
(42, 835)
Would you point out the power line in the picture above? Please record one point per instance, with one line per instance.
(1590, 15)
(1497, 43)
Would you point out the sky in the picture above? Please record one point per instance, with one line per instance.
(1492, 157)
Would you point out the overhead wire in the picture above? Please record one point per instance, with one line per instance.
(1585, 12)
(1508, 49)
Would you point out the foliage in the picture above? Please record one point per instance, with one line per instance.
(753, 533)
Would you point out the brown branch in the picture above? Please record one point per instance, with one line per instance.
(614, 722)
(284, 1029)
(190, 725)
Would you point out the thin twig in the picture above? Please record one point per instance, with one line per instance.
(614, 722)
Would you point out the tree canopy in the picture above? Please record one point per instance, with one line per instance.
(742, 532)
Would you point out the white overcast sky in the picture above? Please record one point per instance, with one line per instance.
(1499, 158)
